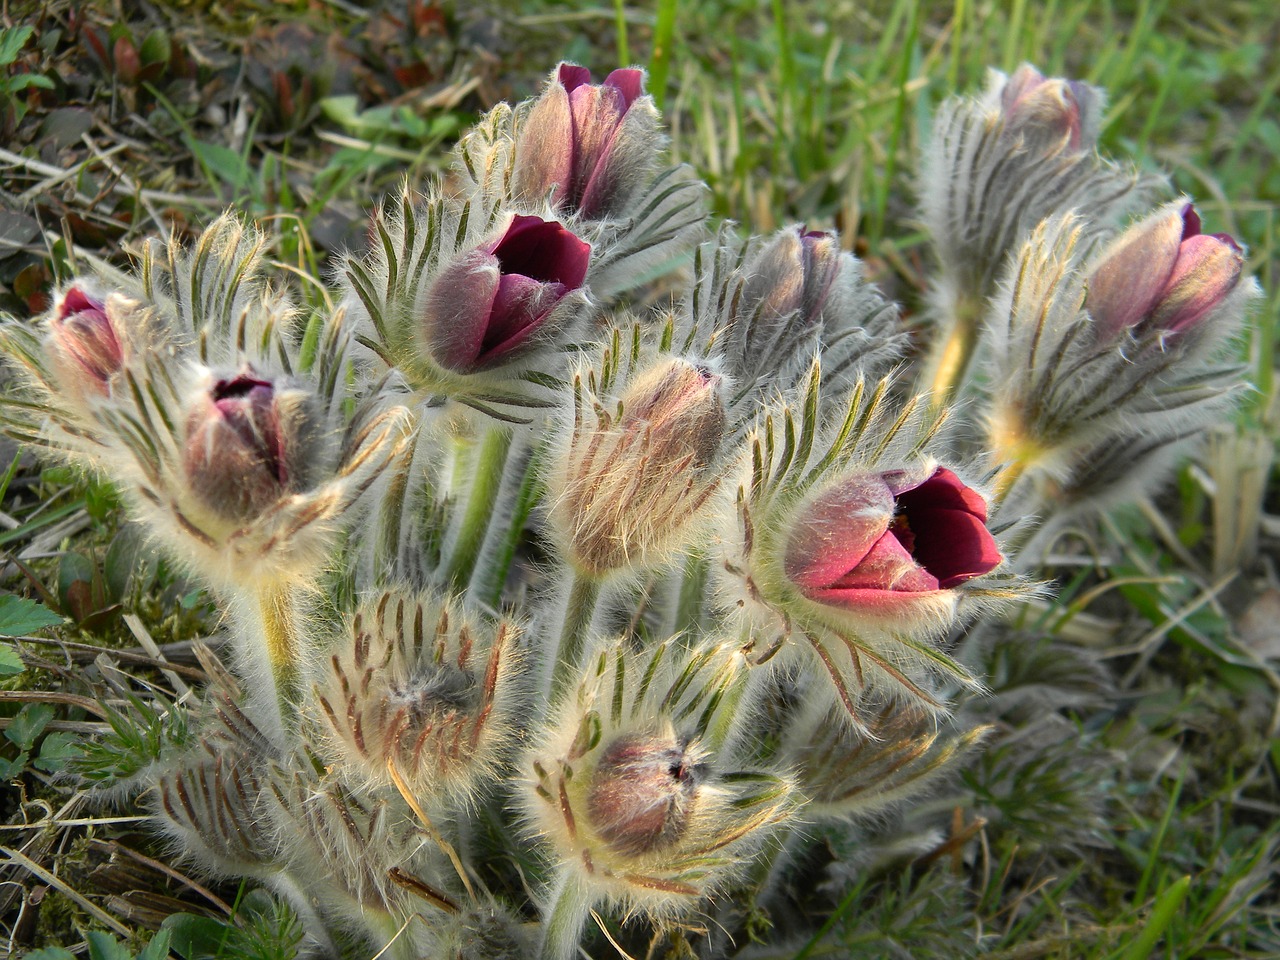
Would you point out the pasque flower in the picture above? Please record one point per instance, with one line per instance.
(487, 305)
(1032, 103)
(871, 541)
(83, 333)
(592, 144)
(248, 443)
(630, 483)
(1163, 274)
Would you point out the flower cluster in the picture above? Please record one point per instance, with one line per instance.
(531, 587)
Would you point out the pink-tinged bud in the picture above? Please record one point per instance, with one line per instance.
(642, 792)
(794, 272)
(591, 143)
(871, 541)
(1033, 103)
(632, 487)
(238, 458)
(84, 334)
(1163, 273)
(487, 306)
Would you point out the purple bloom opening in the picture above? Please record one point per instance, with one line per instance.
(872, 539)
(84, 333)
(490, 303)
(1163, 273)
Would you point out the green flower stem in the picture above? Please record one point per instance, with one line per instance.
(523, 476)
(485, 478)
(693, 587)
(278, 610)
(953, 351)
(578, 611)
(571, 903)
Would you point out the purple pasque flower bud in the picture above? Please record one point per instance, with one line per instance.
(592, 144)
(872, 541)
(1162, 274)
(1032, 103)
(241, 452)
(642, 791)
(795, 272)
(485, 307)
(83, 333)
(630, 488)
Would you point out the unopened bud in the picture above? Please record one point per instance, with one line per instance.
(83, 333)
(1032, 103)
(1163, 274)
(244, 446)
(634, 484)
(593, 145)
(642, 792)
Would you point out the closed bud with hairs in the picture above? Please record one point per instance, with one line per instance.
(628, 486)
(629, 798)
(419, 685)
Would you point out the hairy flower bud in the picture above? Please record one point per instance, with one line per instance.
(485, 307)
(83, 333)
(633, 483)
(247, 446)
(420, 685)
(591, 147)
(1163, 274)
(642, 791)
(625, 791)
(1032, 103)
(870, 541)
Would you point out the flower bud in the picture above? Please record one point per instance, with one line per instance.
(1032, 103)
(632, 485)
(590, 146)
(1162, 274)
(871, 541)
(487, 305)
(420, 685)
(245, 446)
(642, 791)
(82, 332)
(795, 272)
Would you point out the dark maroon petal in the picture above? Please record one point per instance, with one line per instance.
(543, 250)
(943, 490)
(571, 76)
(630, 83)
(953, 545)
(1190, 222)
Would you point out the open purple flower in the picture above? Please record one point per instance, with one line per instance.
(83, 333)
(489, 303)
(874, 540)
(592, 143)
(1163, 274)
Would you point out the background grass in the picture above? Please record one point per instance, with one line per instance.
(1127, 805)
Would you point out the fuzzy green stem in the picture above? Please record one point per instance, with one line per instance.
(693, 587)
(486, 478)
(584, 591)
(491, 576)
(571, 903)
(277, 608)
(948, 363)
